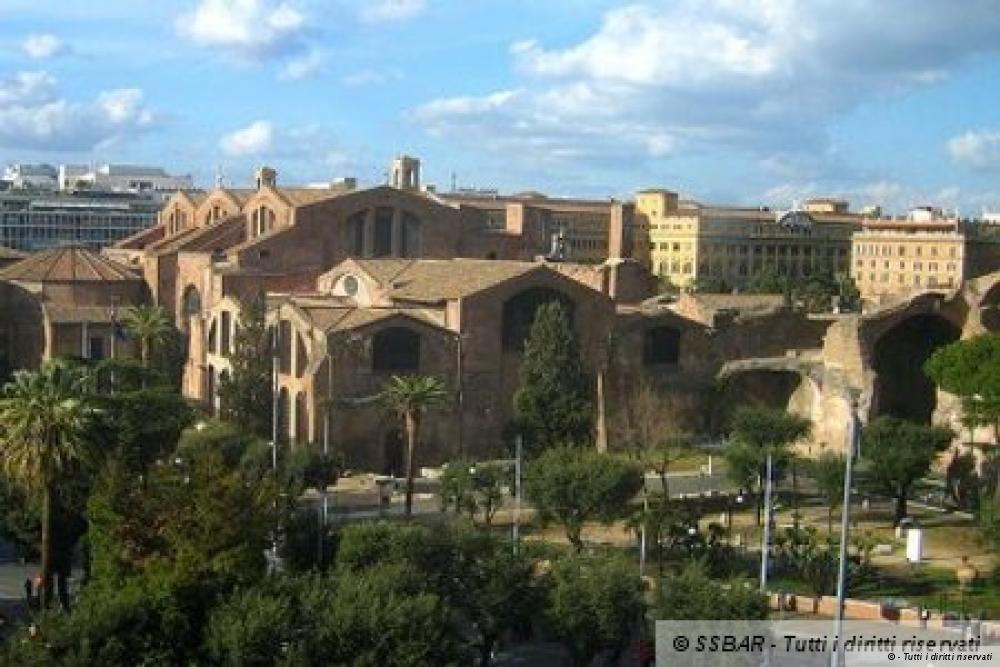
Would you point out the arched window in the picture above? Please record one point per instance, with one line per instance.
(300, 356)
(519, 314)
(283, 416)
(410, 242)
(191, 302)
(396, 350)
(661, 345)
(383, 232)
(356, 234)
(301, 418)
(285, 346)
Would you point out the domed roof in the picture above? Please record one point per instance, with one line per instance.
(67, 264)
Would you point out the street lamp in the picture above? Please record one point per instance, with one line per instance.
(853, 448)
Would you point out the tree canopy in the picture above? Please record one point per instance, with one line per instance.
(571, 486)
(245, 393)
(900, 452)
(970, 369)
(553, 403)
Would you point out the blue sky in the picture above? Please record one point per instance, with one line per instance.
(895, 102)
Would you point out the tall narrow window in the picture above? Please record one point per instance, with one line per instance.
(383, 232)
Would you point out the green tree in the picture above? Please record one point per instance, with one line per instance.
(571, 486)
(710, 285)
(410, 396)
(553, 402)
(899, 453)
(768, 281)
(828, 471)
(245, 393)
(691, 595)
(593, 604)
(756, 432)
(44, 421)
(150, 324)
(970, 369)
(962, 481)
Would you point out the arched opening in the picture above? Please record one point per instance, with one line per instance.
(519, 314)
(284, 409)
(410, 242)
(396, 350)
(902, 389)
(661, 346)
(382, 245)
(190, 305)
(210, 389)
(356, 234)
(989, 309)
(300, 355)
(776, 389)
(301, 418)
(223, 381)
(392, 453)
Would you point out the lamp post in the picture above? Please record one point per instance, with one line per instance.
(853, 447)
(516, 528)
(765, 545)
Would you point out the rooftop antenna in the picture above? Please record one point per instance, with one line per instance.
(453, 180)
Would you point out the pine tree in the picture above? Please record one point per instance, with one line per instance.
(553, 404)
(246, 393)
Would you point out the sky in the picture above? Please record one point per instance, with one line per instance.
(895, 102)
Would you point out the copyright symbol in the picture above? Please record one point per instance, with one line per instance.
(681, 643)
(892, 656)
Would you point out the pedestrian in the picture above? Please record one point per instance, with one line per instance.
(28, 590)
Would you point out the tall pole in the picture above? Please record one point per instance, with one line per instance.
(459, 362)
(765, 545)
(275, 362)
(518, 444)
(642, 532)
(853, 442)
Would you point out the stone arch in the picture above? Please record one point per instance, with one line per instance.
(781, 389)
(900, 387)
(519, 313)
(989, 308)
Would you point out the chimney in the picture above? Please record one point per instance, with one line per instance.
(266, 177)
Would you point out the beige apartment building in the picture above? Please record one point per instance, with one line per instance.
(926, 250)
(688, 241)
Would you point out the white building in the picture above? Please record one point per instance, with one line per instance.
(121, 178)
(20, 176)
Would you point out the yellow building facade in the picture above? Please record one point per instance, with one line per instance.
(894, 257)
(688, 241)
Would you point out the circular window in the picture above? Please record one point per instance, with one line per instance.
(350, 284)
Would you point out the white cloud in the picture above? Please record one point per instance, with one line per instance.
(380, 11)
(302, 67)
(253, 31)
(27, 88)
(371, 77)
(255, 139)
(42, 46)
(976, 148)
(758, 77)
(33, 115)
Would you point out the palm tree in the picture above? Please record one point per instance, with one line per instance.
(409, 396)
(43, 420)
(150, 324)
